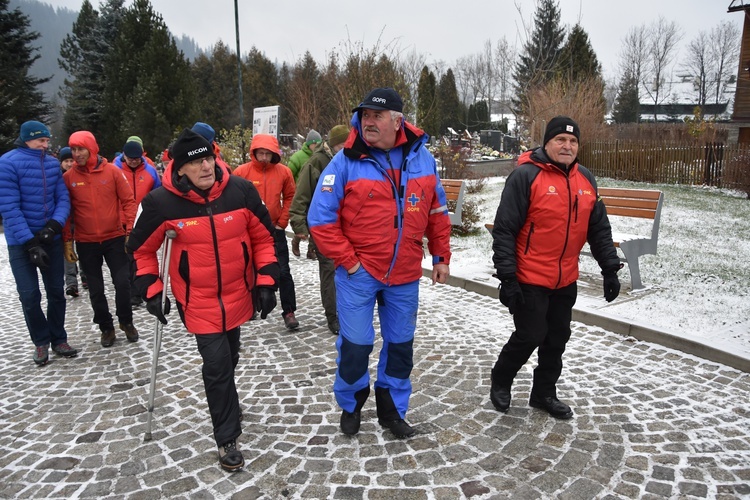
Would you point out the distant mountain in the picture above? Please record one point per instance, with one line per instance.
(53, 24)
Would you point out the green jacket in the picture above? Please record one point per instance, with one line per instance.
(306, 183)
(298, 159)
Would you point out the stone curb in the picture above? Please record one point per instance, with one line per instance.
(718, 352)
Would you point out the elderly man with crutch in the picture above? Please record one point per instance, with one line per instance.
(222, 256)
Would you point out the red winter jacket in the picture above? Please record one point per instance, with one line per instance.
(544, 218)
(99, 194)
(224, 248)
(274, 181)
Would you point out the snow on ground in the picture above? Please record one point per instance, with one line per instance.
(697, 284)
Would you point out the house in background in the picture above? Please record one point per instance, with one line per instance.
(739, 125)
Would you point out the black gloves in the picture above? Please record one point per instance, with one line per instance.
(266, 301)
(611, 285)
(153, 306)
(49, 231)
(511, 294)
(37, 255)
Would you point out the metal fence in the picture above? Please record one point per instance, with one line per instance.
(712, 164)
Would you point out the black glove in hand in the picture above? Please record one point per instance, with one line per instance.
(611, 285)
(511, 295)
(48, 232)
(266, 301)
(153, 306)
(37, 255)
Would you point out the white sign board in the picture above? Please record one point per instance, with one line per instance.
(266, 120)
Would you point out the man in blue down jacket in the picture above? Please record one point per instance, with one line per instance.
(34, 204)
(374, 202)
(549, 208)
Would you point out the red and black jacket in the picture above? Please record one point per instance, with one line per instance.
(546, 215)
(224, 248)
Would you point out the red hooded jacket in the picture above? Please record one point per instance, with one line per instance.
(98, 193)
(273, 180)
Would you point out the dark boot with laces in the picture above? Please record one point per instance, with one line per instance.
(230, 458)
(65, 350)
(130, 332)
(398, 427)
(41, 354)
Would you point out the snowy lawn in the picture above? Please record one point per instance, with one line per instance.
(698, 283)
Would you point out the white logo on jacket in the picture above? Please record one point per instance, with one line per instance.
(329, 180)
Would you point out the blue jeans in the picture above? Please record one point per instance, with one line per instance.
(43, 330)
(286, 284)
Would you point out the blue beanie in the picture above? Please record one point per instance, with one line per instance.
(205, 130)
(33, 130)
(65, 154)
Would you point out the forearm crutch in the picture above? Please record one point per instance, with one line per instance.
(171, 234)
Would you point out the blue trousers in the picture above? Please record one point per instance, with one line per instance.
(49, 329)
(356, 297)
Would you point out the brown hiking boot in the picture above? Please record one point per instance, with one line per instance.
(130, 332)
(108, 338)
(311, 254)
(295, 246)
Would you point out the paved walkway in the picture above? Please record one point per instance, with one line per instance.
(650, 422)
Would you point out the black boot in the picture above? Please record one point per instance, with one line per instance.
(350, 421)
(551, 405)
(230, 458)
(388, 415)
(500, 397)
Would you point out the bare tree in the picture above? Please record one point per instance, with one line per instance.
(634, 53)
(724, 52)
(410, 65)
(504, 62)
(663, 37)
(698, 63)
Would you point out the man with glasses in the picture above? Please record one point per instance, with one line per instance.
(275, 183)
(231, 254)
(142, 178)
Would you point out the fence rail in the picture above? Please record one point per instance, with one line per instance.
(712, 164)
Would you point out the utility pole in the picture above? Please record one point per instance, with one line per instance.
(239, 79)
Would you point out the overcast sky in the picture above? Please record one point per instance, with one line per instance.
(442, 30)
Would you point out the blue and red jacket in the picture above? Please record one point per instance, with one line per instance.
(359, 214)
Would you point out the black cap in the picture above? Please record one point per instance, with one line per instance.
(189, 146)
(132, 149)
(385, 98)
(561, 125)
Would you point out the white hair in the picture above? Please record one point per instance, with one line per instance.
(396, 115)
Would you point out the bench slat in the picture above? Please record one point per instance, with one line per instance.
(644, 194)
(631, 212)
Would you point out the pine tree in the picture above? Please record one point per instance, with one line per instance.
(259, 82)
(20, 97)
(84, 54)
(450, 105)
(215, 78)
(428, 117)
(149, 86)
(578, 60)
(538, 63)
(627, 105)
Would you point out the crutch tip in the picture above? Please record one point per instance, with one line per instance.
(147, 437)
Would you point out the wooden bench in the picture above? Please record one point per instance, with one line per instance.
(640, 203)
(454, 191)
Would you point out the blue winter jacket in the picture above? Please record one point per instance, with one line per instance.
(32, 192)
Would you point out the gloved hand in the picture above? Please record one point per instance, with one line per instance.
(69, 253)
(49, 231)
(153, 306)
(37, 255)
(266, 301)
(611, 285)
(511, 294)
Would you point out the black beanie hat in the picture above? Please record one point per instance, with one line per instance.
(561, 125)
(189, 146)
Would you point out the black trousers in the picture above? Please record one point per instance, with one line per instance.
(544, 323)
(220, 353)
(91, 257)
